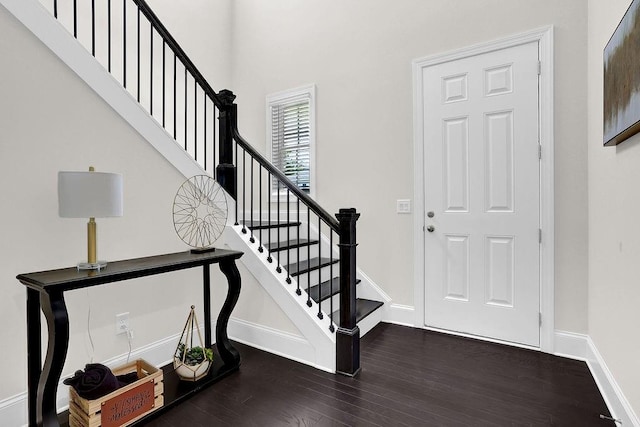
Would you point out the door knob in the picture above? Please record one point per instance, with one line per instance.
(431, 228)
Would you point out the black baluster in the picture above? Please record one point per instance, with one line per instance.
(288, 235)
(124, 43)
(244, 185)
(186, 108)
(164, 83)
(204, 115)
(298, 291)
(278, 268)
(55, 9)
(331, 327)
(93, 27)
(269, 258)
(320, 316)
(236, 163)
(309, 256)
(260, 248)
(175, 95)
(109, 35)
(138, 53)
(251, 239)
(75, 18)
(195, 120)
(151, 69)
(215, 169)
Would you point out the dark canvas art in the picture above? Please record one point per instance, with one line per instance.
(622, 79)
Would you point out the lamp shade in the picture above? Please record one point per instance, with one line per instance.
(89, 194)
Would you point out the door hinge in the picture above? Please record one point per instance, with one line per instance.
(539, 151)
(539, 319)
(539, 67)
(539, 235)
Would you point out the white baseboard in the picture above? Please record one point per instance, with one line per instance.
(13, 410)
(570, 345)
(399, 314)
(581, 347)
(274, 341)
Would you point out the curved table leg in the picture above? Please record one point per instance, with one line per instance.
(34, 352)
(55, 311)
(228, 353)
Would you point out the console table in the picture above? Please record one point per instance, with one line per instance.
(45, 291)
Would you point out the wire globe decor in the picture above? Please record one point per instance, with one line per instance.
(200, 212)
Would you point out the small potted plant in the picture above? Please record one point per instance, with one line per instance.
(191, 362)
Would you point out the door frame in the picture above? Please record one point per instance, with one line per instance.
(544, 37)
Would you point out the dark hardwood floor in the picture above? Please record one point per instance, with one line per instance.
(409, 377)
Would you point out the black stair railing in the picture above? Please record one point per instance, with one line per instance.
(132, 44)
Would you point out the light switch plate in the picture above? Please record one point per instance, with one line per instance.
(403, 206)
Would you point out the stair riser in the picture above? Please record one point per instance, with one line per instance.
(272, 233)
(315, 277)
(291, 256)
(326, 304)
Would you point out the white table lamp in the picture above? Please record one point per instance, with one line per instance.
(89, 195)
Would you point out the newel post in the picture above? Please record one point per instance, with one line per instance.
(226, 171)
(348, 334)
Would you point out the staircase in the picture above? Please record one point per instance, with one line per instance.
(301, 255)
(316, 274)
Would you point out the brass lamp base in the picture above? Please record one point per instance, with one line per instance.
(98, 265)
(91, 263)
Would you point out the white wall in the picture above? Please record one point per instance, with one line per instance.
(52, 121)
(359, 55)
(203, 29)
(614, 230)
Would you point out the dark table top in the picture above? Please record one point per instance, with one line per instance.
(65, 279)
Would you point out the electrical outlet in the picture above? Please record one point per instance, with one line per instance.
(122, 323)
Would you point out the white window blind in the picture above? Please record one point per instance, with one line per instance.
(291, 136)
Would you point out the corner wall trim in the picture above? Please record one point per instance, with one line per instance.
(581, 347)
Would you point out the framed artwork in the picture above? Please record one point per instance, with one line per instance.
(622, 79)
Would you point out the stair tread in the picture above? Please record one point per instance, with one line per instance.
(305, 266)
(364, 307)
(257, 225)
(327, 291)
(290, 244)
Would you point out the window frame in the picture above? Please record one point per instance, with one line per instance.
(292, 96)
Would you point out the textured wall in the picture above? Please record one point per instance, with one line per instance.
(614, 231)
(359, 55)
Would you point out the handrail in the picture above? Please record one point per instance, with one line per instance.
(178, 51)
(304, 197)
(225, 135)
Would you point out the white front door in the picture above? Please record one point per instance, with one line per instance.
(482, 194)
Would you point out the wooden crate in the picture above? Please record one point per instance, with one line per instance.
(123, 406)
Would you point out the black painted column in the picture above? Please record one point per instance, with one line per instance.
(348, 333)
(226, 171)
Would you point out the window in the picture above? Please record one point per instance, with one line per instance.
(290, 132)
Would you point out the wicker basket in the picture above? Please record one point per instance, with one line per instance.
(123, 406)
